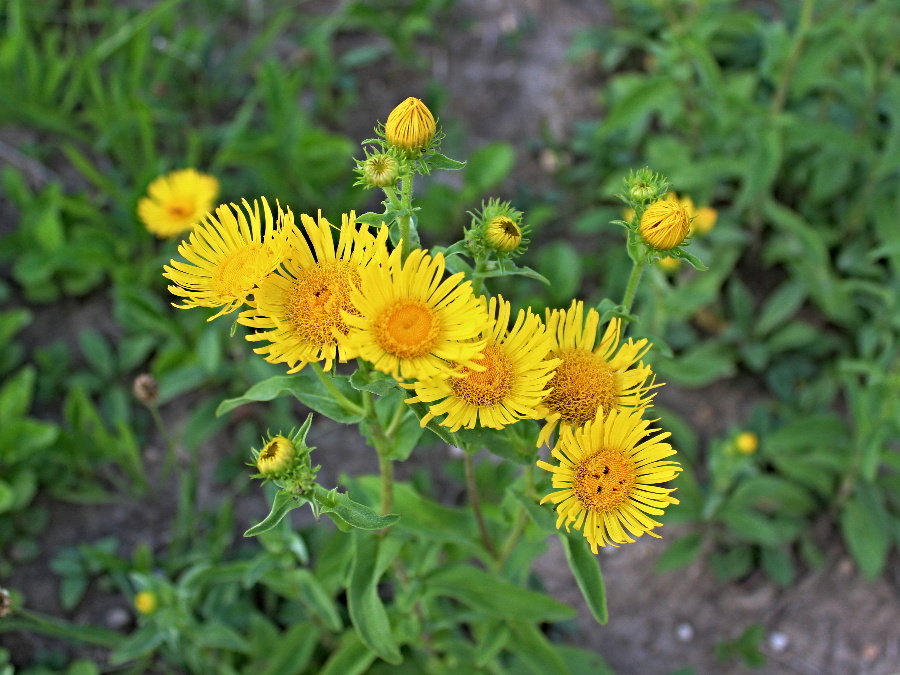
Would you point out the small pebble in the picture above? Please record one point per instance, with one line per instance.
(778, 642)
(685, 632)
(870, 651)
(117, 617)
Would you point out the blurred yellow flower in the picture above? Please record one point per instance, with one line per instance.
(591, 379)
(669, 264)
(411, 322)
(177, 202)
(410, 126)
(145, 602)
(299, 308)
(703, 220)
(746, 442)
(228, 255)
(664, 225)
(511, 383)
(607, 478)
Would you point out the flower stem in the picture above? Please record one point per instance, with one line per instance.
(522, 519)
(477, 276)
(472, 488)
(637, 270)
(386, 469)
(406, 206)
(383, 446)
(345, 402)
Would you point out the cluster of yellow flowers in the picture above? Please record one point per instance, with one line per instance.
(311, 299)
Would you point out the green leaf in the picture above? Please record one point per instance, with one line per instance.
(586, 568)
(352, 657)
(293, 650)
(488, 166)
(284, 503)
(421, 409)
(534, 650)
(439, 161)
(494, 596)
(353, 513)
(540, 515)
(367, 612)
(780, 306)
(866, 532)
(584, 662)
(138, 644)
(699, 366)
(217, 635)
(491, 636)
(680, 553)
(308, 389)
(313, 593)
(374, 381)
(374, 219)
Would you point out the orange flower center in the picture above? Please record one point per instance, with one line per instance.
(180, 208)
(582, 384)
(317, 298)
(488, 387)
(407, 329)
(604, 480)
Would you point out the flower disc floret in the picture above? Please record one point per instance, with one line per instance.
(300, 308)
(607, 479)
(592, 378)
(228, 255)
(177, 201)
(411, 322)
(509, 384)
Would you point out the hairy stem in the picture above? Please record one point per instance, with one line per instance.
(472, 488)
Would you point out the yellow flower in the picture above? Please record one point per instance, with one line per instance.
(145, 602)
(664, 225)
(669, 264)
(177, 202)
(412, 324)
(503, 234)
(509, 387)
(592, 379)
(607, 478)
(275, 456)
(298, 309)
(746, 442)
(410, 126)
(227, 256)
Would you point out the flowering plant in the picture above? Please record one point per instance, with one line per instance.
(434, 352)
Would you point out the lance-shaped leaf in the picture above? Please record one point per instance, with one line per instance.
(353, 513)
(367, 612)
(586, 568)
(284, 503)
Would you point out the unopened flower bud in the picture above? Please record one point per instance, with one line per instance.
(275, 456)
(410, 126)
(641, 191)
(503, 234)
(381, 170)
(145, 389)
(664, 225)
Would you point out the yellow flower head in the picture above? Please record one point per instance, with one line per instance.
(664, 225)
(509, 387)
(228, 255)
(275, 456)
(410, 126)
(503, 234)
(145, 602)
(411, 323)
(591, 380)
(177, 202)
(746, 442)
(669, 264)
(608, 475)
(299, 309)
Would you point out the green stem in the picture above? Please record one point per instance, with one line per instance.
(799, 40)
(55, 627)
(345, 402)
(472, 488)
(383, 447)
(396, 421)
(522, 518)
(406, 205)
(170, 460)
(477, 276)
(386, 469)
(391, 195)
(631, 289)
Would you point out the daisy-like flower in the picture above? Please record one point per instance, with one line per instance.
(665, 224)
(177, 202)
(411, 322)
(589, 378)
(607, 478)
(298, 309)
(511, 384)
(228, 255)
(410, 126)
